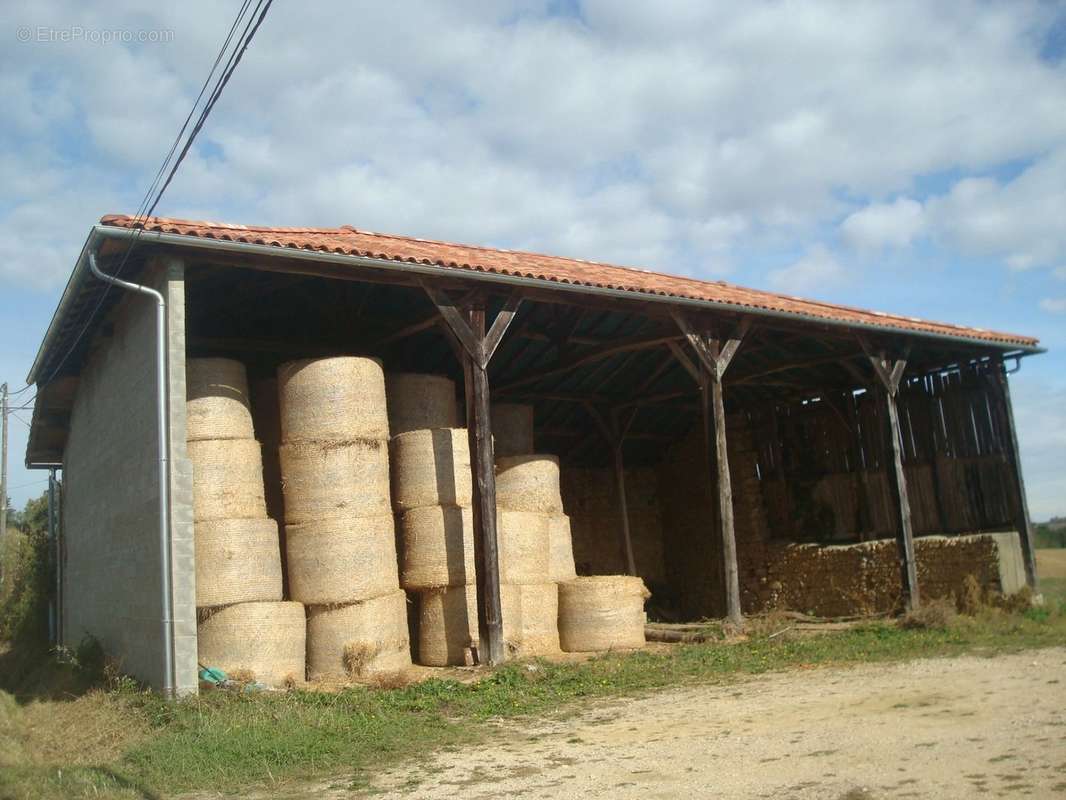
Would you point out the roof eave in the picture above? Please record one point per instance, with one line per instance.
(101, 232)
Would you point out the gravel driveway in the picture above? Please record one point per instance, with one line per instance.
(942, 728)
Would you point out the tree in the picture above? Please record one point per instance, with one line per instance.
(28, 575)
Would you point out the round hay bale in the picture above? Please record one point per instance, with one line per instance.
(560, 549)
(332, 400)
(431, 468)
(322, 480)
(266, 413)
(540, 619)
(512, 429)
(603, 612)
(448, 628)
(420, 401)
(237, 561)
(227, 479)
(358, 640)
(341, 560)
(529, 483)
(216, 400)
(522, 538)
(438, 547)
(263, 640)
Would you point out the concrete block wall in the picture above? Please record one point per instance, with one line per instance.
(112, 582)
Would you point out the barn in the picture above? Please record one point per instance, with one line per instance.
(737, 450)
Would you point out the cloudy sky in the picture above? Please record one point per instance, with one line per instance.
(903, 156)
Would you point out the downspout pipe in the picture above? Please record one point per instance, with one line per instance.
(163, 433)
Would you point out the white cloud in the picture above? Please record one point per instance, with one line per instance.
(882, 225)
(816, 271)
(1040, 413)
(688, 135)
(1020, 222)
(1054, 305)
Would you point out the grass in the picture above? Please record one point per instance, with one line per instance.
(124, 743)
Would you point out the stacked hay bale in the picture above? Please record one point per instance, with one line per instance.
(243, 627)
(534, 545)
(340, 537)
(602, 612)
(432, 496)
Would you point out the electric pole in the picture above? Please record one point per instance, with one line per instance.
(3, 478)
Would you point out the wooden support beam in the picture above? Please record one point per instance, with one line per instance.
(468, 328)
(1021, 503)
(614, 434)
(623, 511)
(890, 373)
(621, 346)
(683, 359)
(714, 359)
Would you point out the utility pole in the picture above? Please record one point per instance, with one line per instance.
(3, 477)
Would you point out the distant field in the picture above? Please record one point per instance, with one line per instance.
(1051, 569)
(1051, 562)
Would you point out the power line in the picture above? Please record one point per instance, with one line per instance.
(26, 485)
(144, 210)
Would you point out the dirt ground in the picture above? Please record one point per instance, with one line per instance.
(943, 728)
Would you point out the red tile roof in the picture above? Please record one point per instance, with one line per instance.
(350, 241)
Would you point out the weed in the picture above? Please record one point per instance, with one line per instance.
(225, 741)
(935, 614)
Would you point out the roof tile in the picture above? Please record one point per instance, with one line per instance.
(347, 240)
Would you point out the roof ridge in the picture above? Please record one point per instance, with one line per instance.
(564, 270)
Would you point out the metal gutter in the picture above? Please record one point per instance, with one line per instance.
(163, 453)
(273, 251)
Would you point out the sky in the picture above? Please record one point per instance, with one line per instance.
(902, 156)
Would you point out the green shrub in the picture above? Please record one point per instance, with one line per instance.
(28, 578)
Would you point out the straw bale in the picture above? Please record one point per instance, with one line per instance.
(420, 401)
(448, 627)
(523, 543)
(342, 559)
(603, 612)
(560, 549)
(323, 480)
(358, 640)
(529, 483)
(264, 640)
(237, 561)
(438, 547)
(540, 619)
(332, 400)
(216, 406)
(227, 479)
(431, 467)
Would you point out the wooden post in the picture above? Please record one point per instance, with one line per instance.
(714, 359)
(890, 375)
(478, 348)
(623, 510)
(1021, 502)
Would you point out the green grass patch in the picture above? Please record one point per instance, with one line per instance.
(225, 742)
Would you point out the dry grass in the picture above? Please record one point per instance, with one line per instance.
(971, 599)
(356, 656)
(90, 730)
(1051, 562)
(935, 614)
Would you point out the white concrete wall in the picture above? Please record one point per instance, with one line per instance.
(111, 579)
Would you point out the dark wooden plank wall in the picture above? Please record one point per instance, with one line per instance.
(821, 462)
